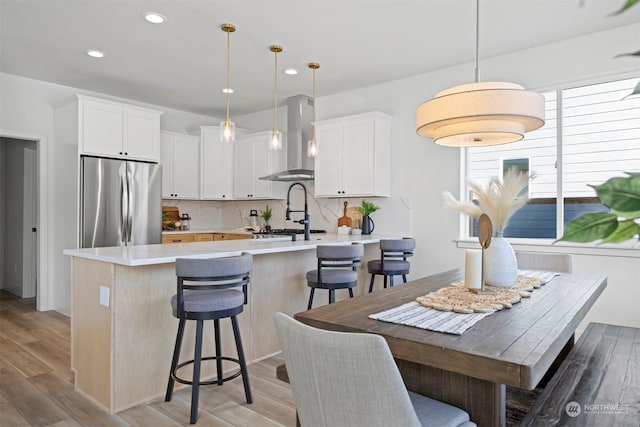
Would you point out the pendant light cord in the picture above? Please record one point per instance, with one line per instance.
(275, 94)
(228, 74)
(477, 39)
(313, 118)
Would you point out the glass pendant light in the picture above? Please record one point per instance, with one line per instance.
(276, 137)
(312, 145)
(481, 113)
(227, 127)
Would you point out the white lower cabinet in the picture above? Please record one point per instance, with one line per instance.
(353, 157)
(180, 160)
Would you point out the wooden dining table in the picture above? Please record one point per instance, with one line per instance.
(512, 347)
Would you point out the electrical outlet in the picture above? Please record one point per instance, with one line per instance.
(104, 296)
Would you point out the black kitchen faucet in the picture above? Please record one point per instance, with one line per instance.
(306, 222)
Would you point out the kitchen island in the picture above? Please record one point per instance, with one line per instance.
(122, 327)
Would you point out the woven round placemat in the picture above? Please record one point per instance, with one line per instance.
(458, 298)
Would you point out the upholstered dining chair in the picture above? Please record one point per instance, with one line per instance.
(544, 261)
(344, 379)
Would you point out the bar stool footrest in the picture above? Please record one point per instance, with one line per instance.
(174, 374)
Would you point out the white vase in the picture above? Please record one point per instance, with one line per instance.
(500, 265)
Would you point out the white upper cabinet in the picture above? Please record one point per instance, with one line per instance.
(180, 160)
(101, 128)
(252, 160)
(353, 156)
(216, 165)
(113, 129)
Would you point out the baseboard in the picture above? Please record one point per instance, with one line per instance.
(13, 287)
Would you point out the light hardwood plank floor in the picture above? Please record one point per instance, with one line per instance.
(36, 383)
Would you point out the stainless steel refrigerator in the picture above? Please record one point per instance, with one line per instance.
(120, 202)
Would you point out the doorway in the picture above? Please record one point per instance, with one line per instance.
(19, 216)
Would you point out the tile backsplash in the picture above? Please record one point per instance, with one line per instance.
(393, 217)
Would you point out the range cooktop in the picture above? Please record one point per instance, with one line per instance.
(288, 231)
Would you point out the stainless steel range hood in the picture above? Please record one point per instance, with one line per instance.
(299, 165)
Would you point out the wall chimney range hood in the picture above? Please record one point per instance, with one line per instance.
(299, 165)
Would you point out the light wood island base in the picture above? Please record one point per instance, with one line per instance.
(121, 354)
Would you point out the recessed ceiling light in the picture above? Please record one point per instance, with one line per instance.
(95, 53)
(291, 71)
(154, 18)
(227, 90)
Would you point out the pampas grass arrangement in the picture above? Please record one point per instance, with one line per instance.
(500, 200)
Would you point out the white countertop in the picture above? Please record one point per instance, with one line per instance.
(162, 254)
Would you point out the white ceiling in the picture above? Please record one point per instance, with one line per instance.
(181, 64)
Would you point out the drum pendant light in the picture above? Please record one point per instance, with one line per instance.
(227, 127)
(276, 137)
(312, 145)
(480, 114)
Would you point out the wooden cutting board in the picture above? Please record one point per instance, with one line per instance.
(344, 219)
(172, 213)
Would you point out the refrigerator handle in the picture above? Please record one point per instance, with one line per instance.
(130, 206)
(124, 209)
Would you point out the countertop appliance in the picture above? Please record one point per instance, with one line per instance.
(185, 222)
(120, 202)
(253, 218)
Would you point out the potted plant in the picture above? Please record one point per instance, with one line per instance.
(367, 208)
(266, 214)
(622, 196)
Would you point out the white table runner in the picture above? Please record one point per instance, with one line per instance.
(416, 315)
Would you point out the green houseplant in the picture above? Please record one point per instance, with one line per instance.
(621, 223)
(266, 214)
(367, 208)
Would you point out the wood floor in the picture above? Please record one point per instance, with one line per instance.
(36, 384)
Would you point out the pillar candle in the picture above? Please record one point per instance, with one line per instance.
(473, 269)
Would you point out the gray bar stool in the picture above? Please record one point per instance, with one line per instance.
(210, 301)
(393, 260)
(336, 269)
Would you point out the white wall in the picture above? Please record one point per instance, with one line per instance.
(421, 169)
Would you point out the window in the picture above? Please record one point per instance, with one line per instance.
(521, 165)
(591, 133)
